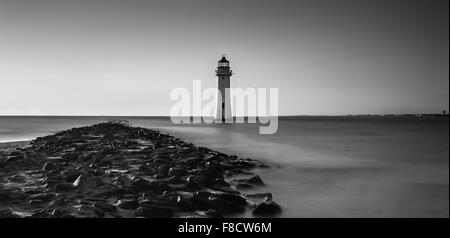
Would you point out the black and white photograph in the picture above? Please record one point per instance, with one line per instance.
(224, 109)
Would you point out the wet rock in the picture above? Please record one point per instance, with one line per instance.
(32, 191)
(17, 179)
(62, 213)
(176, 171)
(175, 180)
(14, 158)
(263, 196)
(71, 175)
(184, 203)
(244, 186)
(58, 202)
(63, 187)
(78, 181)
(226, 189)
(106, 207)
(140, 185)
(254, 180)
(70, 157)
(156, 174)
(233, 198)
(195, 181)
(127, 204)
(267, 208)
(90, 211)
(212, 214)
(8, 195)
(35, 201)
(41, 213)
(220, 182)
(48, 166)
(43, 196)
(224, 206)
(163, 170)
(154, 211)
(192, 160)
(7, 213)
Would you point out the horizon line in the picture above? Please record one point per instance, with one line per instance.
(297, 115)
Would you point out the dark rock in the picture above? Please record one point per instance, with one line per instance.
(58, 202)
(153, 211)
(7, 213)
(71, 176)
(139, 185)
(33, 191)
(185, 203)
(267, 208)
(244, 186)
(63, 187)
(70, 156)
(195, 181)
(88, 166)
(220, 182)
(9, 195)
(256, 180)
(212, 214)
(17, 179)
(35, 201)
(234, 198)
(48, 166)
(127, 204)
(43, 196)
(265, 196)
(224, 206)
(175, 180)
(192, 160)
(106, 207)
(163, 170)
(176, 171)
(41, 214)
(225, 189)
(61, 213)
(14, 158)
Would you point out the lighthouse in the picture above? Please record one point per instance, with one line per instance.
(223, 73)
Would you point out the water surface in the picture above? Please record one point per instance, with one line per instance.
(320, 166)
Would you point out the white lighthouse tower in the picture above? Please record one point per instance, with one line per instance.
(223, 73)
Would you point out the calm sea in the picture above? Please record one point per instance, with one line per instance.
(320, 166)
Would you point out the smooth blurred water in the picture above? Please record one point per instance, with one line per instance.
(320, 166)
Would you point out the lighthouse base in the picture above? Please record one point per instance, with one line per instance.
(224, 120)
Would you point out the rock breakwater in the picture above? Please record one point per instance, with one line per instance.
(115, 170)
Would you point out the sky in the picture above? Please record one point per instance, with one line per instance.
(326, 57)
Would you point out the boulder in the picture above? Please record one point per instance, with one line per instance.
(106, 207)
(63, 187)
(154, 211)
(267, 208)
(127, 204)
(48, 166)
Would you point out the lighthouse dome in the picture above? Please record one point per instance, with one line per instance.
(223, 60)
